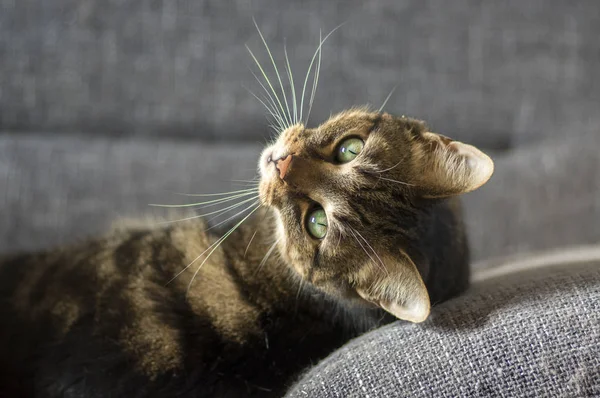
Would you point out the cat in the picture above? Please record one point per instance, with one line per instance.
(358, 224)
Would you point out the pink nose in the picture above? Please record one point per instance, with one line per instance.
(283, 165)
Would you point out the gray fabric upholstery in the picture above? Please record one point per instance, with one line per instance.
(540, 197)
(107, 106)
(526, 334)
(66, 189)
(494, 73)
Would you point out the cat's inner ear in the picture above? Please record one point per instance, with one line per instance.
(396, 286)
(445, 167)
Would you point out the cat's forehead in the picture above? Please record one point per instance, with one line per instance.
(355, 121)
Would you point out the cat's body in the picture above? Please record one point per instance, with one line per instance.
(102, 320)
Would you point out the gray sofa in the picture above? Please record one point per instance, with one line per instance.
(106, 106)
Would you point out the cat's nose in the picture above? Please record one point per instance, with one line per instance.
(283, 165)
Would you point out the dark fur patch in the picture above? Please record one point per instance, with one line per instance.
(100, 319)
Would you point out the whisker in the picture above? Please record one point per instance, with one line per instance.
(315, 81)
(235, 206)
(274, 128)
(361, 245)
(373, 250)
(220, 211)
(267, 92)
(190, 264)
(251, 239)
(292, 85)
(268, 82)
(271, 112)
(217, 194)
(219, 241)
(276, 70)
(270, 99)
(387, 99)
(209, 247)
(339, 240)
(245, 183)
(209, 202)
(230, 218)
(389, 168)
(398, 182)
(300, 286)
(267, 255)
(312, 61)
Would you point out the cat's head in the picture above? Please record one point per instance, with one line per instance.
(347, 193)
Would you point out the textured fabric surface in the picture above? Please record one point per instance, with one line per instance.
(527, 334)
(62, 189)
(540, 197)
(495, 73)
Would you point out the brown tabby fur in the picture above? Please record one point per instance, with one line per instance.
(100, 319)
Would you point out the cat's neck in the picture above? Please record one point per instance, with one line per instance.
(253, 256)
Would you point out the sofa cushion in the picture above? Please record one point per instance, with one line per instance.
(493, 73)
(528, 333)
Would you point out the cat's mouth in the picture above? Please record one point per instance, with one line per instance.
(275, 162)
(273, 165)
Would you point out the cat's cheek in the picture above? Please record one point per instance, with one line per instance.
(281, 235)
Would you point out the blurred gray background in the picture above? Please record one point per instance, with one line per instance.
(106, 106)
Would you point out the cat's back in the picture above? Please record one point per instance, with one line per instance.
(94, 310)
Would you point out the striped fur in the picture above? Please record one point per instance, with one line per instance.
(101, 319)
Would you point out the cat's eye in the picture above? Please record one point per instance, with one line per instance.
(349, 149)
(316, 223)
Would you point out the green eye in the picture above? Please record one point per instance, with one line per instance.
(316, 223)
(349, 149)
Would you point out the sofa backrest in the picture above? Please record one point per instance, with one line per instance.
(495, 73)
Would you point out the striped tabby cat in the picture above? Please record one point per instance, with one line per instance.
(356, 224)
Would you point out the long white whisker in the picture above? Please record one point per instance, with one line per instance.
(270, 100)
(398, 182)
(220, 211)
(275, 116)
(390, 168)
(276, 70)
(387, 99)
(209, 247)
(272, 111)
(268, 81)
(361, 245)
(300, 285)
(230, 218)
(267, 255)
(267, 92)
(255, 198)
(209, 202)
(218, 244)
(312, 61)
(315, 82)
(190, 264)
(250, 242)
(373, 250)
(292, 85)
(219, 193)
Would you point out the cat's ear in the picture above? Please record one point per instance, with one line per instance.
(396, 286)
(446, 168)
